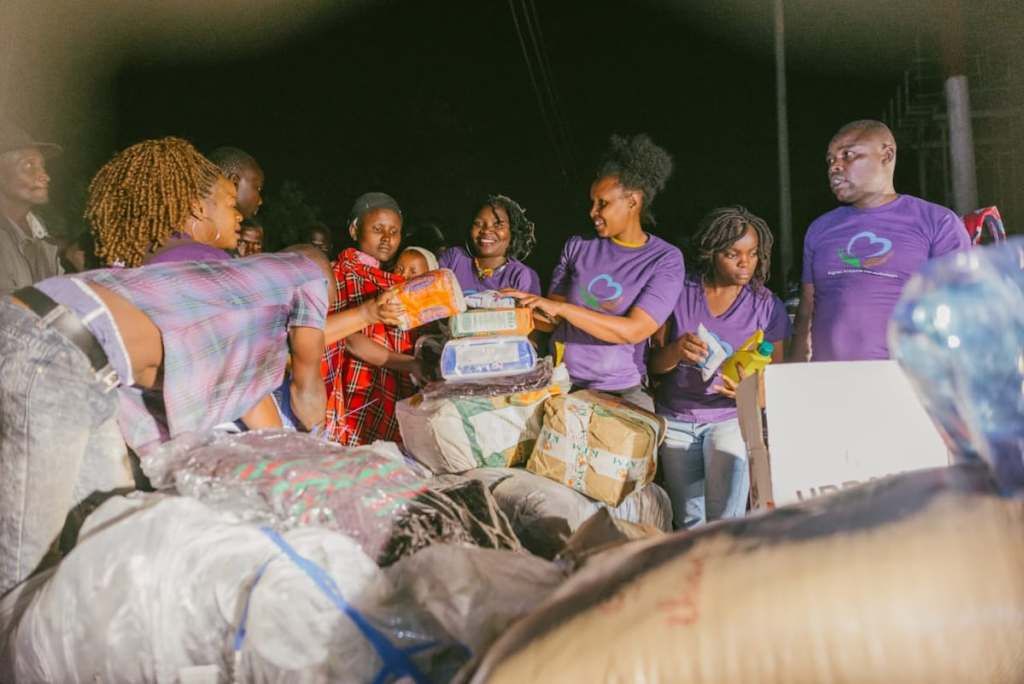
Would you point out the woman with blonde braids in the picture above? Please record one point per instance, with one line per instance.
(161, 200)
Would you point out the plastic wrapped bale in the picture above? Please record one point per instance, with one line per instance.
(917, 578)
(167, 589)
(473, 593)
(544, 513)
(597, 444)
(958, 332)
(371, 493)
(458, 433)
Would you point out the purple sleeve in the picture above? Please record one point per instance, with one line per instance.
(447, 259)
(661, 292)
(309, 305)
(527, 280)
(950, 235)
(807, 274)
(561, 277)
(778, 328)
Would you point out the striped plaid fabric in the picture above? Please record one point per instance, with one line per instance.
(361, 398)
(224, 326)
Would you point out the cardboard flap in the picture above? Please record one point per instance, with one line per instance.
(835, 425)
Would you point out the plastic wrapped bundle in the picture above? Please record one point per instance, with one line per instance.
(166, 589)
(915, 579)
(481, 322)
(489, 357)
(452, 435)
(958, 332)
(370, 493)
(430, 297)
(474, 593)
(544, 513)
(598, 445)
(542, 375)
(489, 299)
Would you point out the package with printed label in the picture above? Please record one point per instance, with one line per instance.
(598, 445)
(472, 358)
(459, 433)
(477, 322)
(430, 297)
(489, 299)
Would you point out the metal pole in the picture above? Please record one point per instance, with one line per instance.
(958, 110)
(961, 145)
(782, 120)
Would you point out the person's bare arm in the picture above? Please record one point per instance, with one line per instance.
(375, 354)
(308, 395)
(386, 309)
(636, 326)
(689, 348)
(800, 350)
(263, 415)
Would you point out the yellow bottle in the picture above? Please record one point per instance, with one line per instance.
(755, 354)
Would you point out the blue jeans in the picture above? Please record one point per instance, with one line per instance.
(59, 441)
(705, 470)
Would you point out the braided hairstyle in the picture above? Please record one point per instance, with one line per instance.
(142, 195)
(640, 165)
(521, 229)
(719, 229)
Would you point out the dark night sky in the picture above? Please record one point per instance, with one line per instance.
(431, 102)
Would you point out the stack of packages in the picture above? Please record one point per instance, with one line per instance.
(500, 408)
(487, 409)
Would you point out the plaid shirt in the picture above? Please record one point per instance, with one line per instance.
(361, 398)
(224, 326)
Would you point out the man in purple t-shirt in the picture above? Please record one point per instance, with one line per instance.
(858, 257)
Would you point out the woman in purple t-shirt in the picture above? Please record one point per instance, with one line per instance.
(610, 292)
(704, 459)
(498, 240)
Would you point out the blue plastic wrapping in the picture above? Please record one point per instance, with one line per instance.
(474, 358)
(958, 332)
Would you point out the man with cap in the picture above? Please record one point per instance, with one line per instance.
(27, 254)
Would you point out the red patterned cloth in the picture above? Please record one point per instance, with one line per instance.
(361, 398)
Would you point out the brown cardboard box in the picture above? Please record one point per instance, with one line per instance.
(598, 445)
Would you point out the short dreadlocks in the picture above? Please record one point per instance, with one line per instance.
(142, 195)
(722, 227)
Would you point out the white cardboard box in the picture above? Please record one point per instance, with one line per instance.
(830, 426)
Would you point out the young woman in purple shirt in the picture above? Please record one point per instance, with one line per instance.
(498, 240)
(610, 292)
(704, 459)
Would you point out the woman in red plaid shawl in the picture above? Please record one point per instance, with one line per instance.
(367, 373)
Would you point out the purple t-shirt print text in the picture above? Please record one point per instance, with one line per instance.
(602, 276)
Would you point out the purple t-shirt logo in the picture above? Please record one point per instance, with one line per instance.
(602, 293)
(866, 250)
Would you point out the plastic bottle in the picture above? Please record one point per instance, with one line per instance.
(755, 354)
(958, 332)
